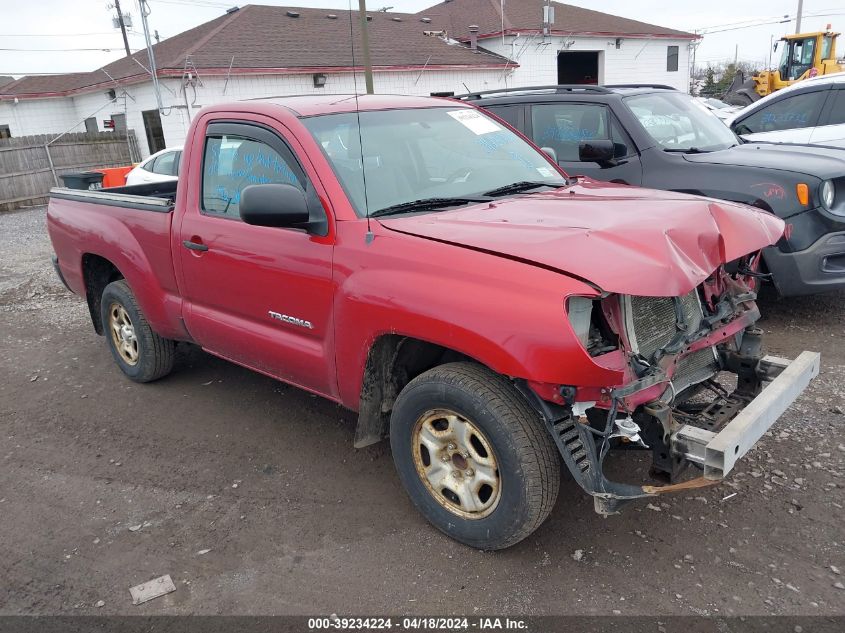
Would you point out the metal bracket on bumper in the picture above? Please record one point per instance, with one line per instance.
(718, 452)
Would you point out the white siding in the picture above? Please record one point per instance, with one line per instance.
(38, 116)
(637, 60)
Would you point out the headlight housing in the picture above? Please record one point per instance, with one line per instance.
(580, 310)
(828, 194)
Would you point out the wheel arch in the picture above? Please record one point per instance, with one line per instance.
(392, 362)
(97, 273)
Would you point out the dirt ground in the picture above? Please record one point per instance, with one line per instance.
(250, 495)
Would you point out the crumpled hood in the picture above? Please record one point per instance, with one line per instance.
(622, 239)
(812, 160)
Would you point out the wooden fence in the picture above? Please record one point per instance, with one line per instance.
(31, 165)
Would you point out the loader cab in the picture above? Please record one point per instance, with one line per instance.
(797, 57)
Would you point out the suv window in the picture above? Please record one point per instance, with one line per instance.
(509, 113)
(562, 126)
(232, 162)
(837, 112)
(166, 164)
(793, 112)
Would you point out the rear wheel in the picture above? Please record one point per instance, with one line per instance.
(473, 456)
(140, 353)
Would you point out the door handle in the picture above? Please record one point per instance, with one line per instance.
(194, 246)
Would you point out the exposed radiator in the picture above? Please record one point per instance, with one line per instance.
(652, 323)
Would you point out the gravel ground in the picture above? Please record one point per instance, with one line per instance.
(250, 495)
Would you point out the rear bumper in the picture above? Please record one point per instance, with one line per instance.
(58, 270)
(718, 452)
(818, 268)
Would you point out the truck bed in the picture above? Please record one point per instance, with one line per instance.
(155, 196)
(128, 227)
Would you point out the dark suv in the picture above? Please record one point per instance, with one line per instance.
(655, 136)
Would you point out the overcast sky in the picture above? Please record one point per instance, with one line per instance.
(87, 24)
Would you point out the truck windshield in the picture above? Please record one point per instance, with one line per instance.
(424, 154)
(679, 123)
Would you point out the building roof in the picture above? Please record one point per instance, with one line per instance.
(527, 15)
(267, 39)
(6, 79)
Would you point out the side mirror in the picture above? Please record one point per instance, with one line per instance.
(273, 205)
(550, 152)
(596, 151)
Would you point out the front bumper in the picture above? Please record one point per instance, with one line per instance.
(714, 452)
(717, 453)
(817, 268)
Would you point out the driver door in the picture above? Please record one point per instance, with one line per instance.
(259, 296)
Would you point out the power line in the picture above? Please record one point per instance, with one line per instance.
(61, 50)
(55, 34)
(196, 3)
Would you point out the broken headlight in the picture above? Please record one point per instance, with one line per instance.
(580, 313)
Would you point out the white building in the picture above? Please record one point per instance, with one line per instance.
(260, 51)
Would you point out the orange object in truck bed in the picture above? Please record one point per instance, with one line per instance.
(115, 176)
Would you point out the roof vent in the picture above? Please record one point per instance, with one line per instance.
(292, 14)
(396, 19)
(232, 9)
(332, 16)
(426, 20)
(369, 18)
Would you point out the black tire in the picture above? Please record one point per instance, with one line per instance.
(154, 354)
(527, 459)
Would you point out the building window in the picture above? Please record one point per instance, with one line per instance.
(5, 132)
(672, 58)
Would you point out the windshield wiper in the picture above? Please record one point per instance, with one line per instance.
(517, 187)
(688, 150)
(426, 204)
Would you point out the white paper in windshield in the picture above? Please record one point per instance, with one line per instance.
(474, 121)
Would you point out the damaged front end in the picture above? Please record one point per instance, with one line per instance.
(697, 390)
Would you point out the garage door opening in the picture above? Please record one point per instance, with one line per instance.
(578, 67)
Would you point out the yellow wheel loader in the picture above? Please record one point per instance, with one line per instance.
(803, 55)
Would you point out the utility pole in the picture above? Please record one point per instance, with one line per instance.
(122, 27)
(798, 16)
(365, 44)
(145, 11)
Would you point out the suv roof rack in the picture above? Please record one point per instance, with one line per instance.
(558, 88)
(661, 86)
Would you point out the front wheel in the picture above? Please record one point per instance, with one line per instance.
(474, 457)
(140, 353)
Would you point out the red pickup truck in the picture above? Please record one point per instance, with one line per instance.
(421, 263)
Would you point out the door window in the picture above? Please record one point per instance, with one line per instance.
(798, 111)
(511, 114)
(233, 162)
(562, 126)
(837, 112)
(165, 164)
